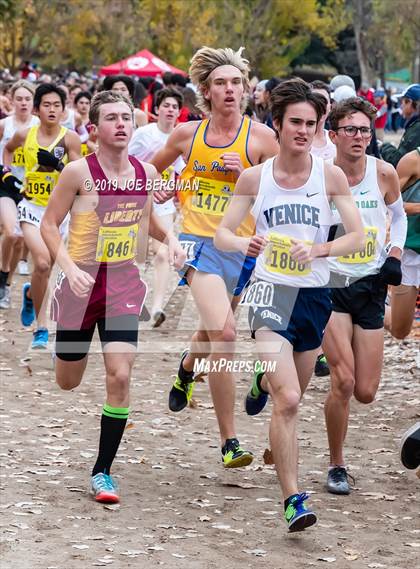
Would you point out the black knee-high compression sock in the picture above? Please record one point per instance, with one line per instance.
(113, 423)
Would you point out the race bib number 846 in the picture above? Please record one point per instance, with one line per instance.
(116, 244)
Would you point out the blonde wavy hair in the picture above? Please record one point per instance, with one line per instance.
(22, 84)
(206, 60)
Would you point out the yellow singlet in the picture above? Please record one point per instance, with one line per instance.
(40, 180)
(207, 187)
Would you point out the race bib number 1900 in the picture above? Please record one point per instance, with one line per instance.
(212, 196)
(277, 258)
(116, 244)
(369, 251)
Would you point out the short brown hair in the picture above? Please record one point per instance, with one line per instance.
(349, 107)
(167, 92)
(320, 85)
(104, 97)
(295, 91)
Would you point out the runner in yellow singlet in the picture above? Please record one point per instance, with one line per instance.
(22, 94)
(46, 148)
(216, 151)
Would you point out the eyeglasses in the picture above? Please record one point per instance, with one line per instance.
(351, 131)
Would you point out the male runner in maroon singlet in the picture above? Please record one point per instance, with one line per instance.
(106, 195)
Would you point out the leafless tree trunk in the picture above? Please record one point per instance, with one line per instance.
(362, 18)
(416, 61)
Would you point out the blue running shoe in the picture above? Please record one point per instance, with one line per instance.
(27, 314)
(256, 398)
(297, 515)
(104, 489)
(40, 340)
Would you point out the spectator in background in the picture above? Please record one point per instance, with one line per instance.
(322, 145)
(261, 101)
(179, 81)
(190, 102)
(262, 95)
(25, 69)
(396, 116)
(149, 102)
(366, 92)
(410, 109)
(381, 116)
(269, 86)
(167, 78)
(340, 81)
(6, 107)
(74, 90)
(125, 85)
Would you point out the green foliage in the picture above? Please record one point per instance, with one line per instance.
(90, 33)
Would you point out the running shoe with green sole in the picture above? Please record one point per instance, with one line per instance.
(233, 456)
(297, 515)
(256, 399)
(321, 366)
(181, 391)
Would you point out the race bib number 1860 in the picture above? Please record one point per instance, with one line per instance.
(259, 294)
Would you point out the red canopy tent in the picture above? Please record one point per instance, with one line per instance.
(142, 64)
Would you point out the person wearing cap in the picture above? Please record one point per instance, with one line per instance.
(366, 92)
(343, 92)
(341, 80)
(410, 108)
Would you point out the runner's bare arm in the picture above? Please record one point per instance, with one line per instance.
(177, 145)
(1, 134)
(262, 143)
(150, 225)
(73, 145)
(339, 192)
(408, 169)
(18, 139)
(140, 118)
(62, 198)
(246, 189)
(177, 255)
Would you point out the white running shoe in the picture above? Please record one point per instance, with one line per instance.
(23, 268)
(5, 302)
